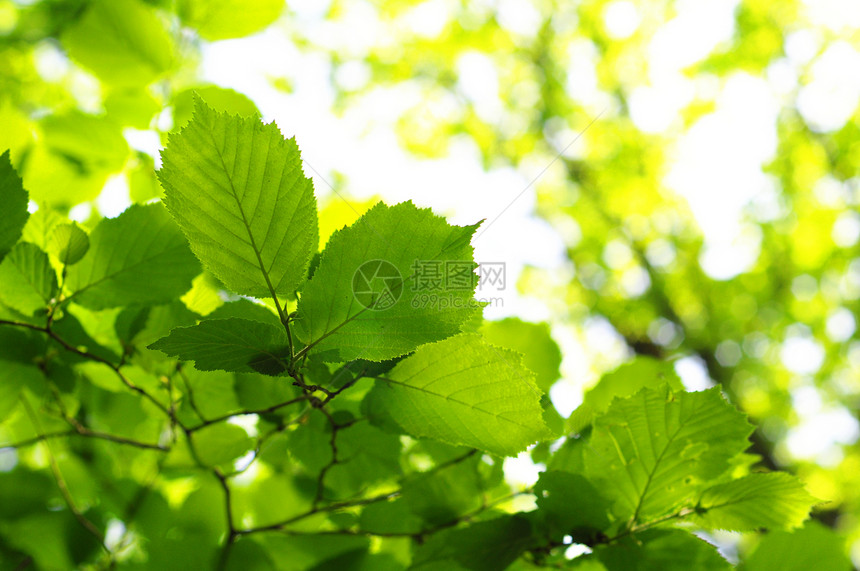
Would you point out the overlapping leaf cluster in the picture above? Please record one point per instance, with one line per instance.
(188, 385)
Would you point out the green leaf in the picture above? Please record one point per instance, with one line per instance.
(442, 496)
(69, 243)
(461, 391)
(220, 99)
(365, 455)
(14, 199)
(13, 377)
(225, 19)
(571, 503)
(123, 42)
(237, 189)
(138, 257)
(219, 444)
(142, 182)
(540, 353)
(212, 392)
(393, 516)
(245, 309)
(360, 302)
(811, 547)
(626, 380)
(483, 546)
(17, 133)
(239, 345)
(28, 282)
(40, 227)
(653, 452)
(662, 550)
(91, 142)
(132, 107)
(775, 501)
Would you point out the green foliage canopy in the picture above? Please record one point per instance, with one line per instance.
(152, 418)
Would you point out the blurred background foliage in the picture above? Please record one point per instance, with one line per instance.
(692, 165)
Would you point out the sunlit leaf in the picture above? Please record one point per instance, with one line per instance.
(224, 19)
(237, 190)
(124, 42)
(28, 282)
(233, 344)
(138, 257)
(774, 501)
(662, 550)
(653, 451)
(364, 301)
(812, 547)
(14, 199)
(462, 391)
(69, 243)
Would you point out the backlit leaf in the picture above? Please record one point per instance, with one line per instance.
(224, 19)
(811, 547)
(69, 243)
(124, 42)
(14, 199)
(652, 452)
(28, 282)
(138, 257)
(240, 345)
(365, 299)
(237, 190)
(462, 391)
(775, 501)
(662, 550)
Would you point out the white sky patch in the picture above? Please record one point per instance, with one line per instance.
(566, 394)
(718, 169)
(145, 141)
(80, 212)
(582, 85)
(576, 550)
(801, 355)
(352, 75)
(621, 19)
(604, 342)
(656, 108)
(801, 46)
(565, 397)
(693, 373)
(838, 15)
(247, 422)
(690, 36)
(114, 198)
(478, 79)
(114, 534)
(309, 10)
(8, 460)
(520, 17)
(831, 97)
(356, 31)
(50, 61)
(521, 470)
(427, 19)
(820, 434)
(841, 325)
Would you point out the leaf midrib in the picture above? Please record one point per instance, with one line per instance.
(456, 400)
(247, 226)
